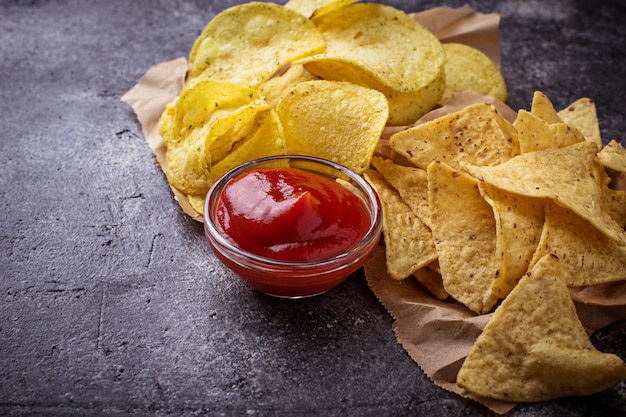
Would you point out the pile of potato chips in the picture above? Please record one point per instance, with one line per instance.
(495, 212)
(320, 78)
(507, 215)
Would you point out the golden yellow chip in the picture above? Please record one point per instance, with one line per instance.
(582, 115)
(614, 203)
(323, 119)
(587, 256)
(467, 68)
(187, 164)
(248, 43)
(408, 242)
(535, 134)
(464, 230)
(519, 222)
(432, 281)
(477, 134)
(543, 108)
(380, 47)
(316, 8)
(570, 176)
(613, 156)
(534, 348)
(410, 182)
(275, 88)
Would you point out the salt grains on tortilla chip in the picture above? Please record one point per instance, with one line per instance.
(587, 256)
(535, 348)
(464, 231)
(570, 176)
(408, 242)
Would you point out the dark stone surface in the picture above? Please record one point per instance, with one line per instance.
(112, 303)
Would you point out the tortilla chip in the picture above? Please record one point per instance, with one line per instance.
(543, 108)
(432, 281)
(477, 134)
(519, 222)
(582, 115)
(464, 230)
(535, 348)
(587, 256)
(408, 242)
(613, 156)
(570, 176)
(410, 182)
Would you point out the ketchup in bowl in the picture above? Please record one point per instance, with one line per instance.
(292, 229)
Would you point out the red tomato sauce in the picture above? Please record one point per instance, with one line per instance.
(289, 214)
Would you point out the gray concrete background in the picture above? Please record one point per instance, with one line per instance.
(111, 302)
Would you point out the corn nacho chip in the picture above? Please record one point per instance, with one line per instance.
(613, 156)
(380, 47)
(432, 281)
(570, 176)
(321, 118)
(467, 68)
(534, 348)
(582, 115)
(519, 222)
(248, 43)
(410, 182)
(535, 134)
(408, 242)
(543, 108)
(587, 256)
(477, 134)
(463, 228)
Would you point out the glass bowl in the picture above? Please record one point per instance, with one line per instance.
(294, 279)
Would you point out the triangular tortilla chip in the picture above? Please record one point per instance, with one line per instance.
(464, 233)
(535, 348)
(587, 256)
(582, 115)
(613, 156)
(519, 222)
(570, 176)
(543, 108)
(408, 242)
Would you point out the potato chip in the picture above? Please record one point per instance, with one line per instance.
(408, 242)
(570, 176)
(187, 164)
(587, 256)
(410, 182)
(322, 119)
(380, 47)
(432, 281)
(477, 134)
(467, 68)
(535, 348)
(464, 230)
(519, 222)
(316, 8)
(543, 108)
(613, 156)
(582, 115)
(248, 43)
(275, 88)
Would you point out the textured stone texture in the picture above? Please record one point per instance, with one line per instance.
(112, 303)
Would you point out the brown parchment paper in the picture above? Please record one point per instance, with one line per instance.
(436, 334)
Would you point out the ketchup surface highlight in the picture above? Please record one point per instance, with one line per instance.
(288, 214)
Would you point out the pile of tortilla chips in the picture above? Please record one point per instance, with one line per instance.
(320, 78)
(506, 215)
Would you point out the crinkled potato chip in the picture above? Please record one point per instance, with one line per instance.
(381, 47)
(570, 176)
(582, 115)
(410, 182)
(613, 156)
(464, 231)
(408, 242)
(587, 256)
(519, 222)
(477, 134)
(535, 348)
(316, 8)
(275, 88)
(323, 119)
(467, 68)
(248, 43)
